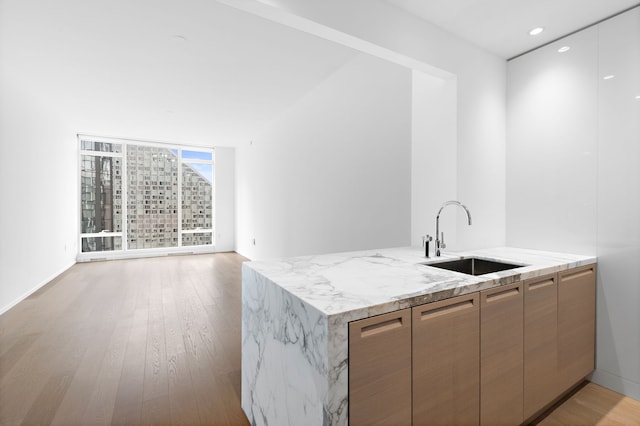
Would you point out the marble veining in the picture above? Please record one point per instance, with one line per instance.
(295, 315)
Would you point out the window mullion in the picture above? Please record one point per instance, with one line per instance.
(180, 197)
(102, 153)
(213, 196)
(125, 196)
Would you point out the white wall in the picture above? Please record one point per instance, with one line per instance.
(379, 28)
(38, 183)
(434, 171)
(225, 199)
(333, 172)
(573, 180)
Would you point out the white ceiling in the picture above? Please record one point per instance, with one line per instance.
(502, 26)
(209, 72)
(200, 70)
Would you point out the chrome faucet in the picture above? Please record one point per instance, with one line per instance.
(440, 237)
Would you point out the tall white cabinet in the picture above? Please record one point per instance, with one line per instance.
(573, 173)
(618, 237)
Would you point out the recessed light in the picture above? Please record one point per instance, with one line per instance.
(637, 96)
(608, 77)
(564, 49)
(536, 31)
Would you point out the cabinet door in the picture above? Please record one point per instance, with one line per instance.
(576, 324)
(380, 370)
(446, 362)
(501, 355)
(540, 342)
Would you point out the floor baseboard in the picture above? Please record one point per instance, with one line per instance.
(44, 282)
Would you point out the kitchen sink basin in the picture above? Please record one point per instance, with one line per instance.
(474, 266)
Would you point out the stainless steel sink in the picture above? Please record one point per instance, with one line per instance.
(474, 266)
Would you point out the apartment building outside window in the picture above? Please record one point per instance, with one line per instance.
(139, 197)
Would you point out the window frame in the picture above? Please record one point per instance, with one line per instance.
(125, 251)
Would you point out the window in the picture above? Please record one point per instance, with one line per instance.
(142, 196)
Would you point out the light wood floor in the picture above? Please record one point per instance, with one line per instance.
(157, 341)
(144, 341)
(595, 405)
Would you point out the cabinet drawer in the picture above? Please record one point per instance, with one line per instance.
(380, 369)
(446, 362)
(501, 355)
(540, 343)
(576, 324)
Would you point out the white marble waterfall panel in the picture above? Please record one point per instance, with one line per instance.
(338, 361)
(284, 356)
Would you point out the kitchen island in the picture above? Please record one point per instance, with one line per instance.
(296, 313)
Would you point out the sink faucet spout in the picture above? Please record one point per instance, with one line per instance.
(440, 237)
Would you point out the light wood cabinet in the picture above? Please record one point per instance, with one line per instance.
(576, 324)
(497, 357)
(380, 369)
(540, 343)
(446, 362)
(501, 355)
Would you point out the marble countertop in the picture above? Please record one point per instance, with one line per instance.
(371, 282)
